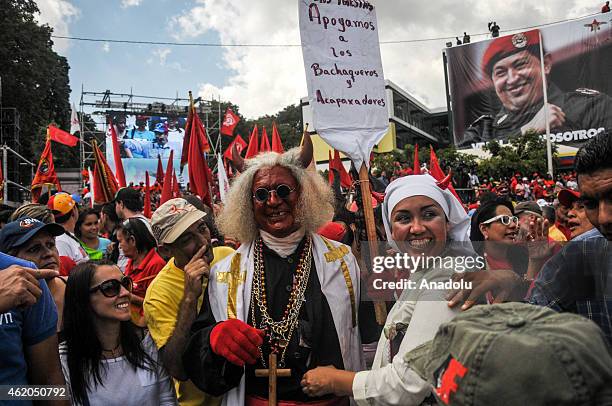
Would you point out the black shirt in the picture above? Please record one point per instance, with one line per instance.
(313, 343)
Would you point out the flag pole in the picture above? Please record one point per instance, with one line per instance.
(380, 308)
(545, 93)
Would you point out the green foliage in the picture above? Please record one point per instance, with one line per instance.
(34, 78)
(525, 154)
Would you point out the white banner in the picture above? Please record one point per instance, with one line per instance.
(346, 86)
(223, 181)
(75, 126)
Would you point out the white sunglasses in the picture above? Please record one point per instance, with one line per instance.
(503, 218)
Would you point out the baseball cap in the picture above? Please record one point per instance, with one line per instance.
(516, 354)
(172, 218)
(508, 45)
(126, 193)
(18, 232)
(568, 196)
(61, 203)
(528, 207)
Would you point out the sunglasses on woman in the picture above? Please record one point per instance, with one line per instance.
(282, 191)
(112, 287)
(503, 218)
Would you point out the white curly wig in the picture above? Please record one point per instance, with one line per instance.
(315, 206)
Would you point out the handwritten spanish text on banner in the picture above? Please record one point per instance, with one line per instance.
(344, 74)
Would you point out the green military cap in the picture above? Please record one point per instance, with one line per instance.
(516, 354)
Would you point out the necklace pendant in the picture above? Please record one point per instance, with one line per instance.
(283, 343)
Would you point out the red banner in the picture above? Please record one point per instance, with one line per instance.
(61, 136)
(230, 121)
(45, 174)
(240, 146)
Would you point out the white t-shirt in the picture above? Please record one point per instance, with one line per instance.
(122, 385)
(68, 246)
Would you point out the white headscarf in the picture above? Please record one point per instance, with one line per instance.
(425, 185)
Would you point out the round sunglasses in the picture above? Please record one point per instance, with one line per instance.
(503, 218)
(112, 287)
(282, 191)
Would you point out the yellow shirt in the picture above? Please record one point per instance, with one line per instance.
(555, 234)
(161, 307)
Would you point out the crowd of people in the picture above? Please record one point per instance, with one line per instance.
(200, 305)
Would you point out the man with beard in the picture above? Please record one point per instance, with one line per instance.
(277, 292)
(513, 65)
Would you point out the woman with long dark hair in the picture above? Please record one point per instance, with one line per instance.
(494, 234)
(144, 263)
(87, 230)
(105, 359)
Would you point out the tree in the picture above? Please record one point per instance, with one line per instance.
(34, 77)
(525, 154)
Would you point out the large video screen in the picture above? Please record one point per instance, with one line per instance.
(142, 139)
(497, 87)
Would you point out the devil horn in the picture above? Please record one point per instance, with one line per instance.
(444, 183)
(237, 159)
(307, 151)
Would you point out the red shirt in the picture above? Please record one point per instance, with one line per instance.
(146, 271)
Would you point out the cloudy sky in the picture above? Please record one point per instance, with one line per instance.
(263, 80)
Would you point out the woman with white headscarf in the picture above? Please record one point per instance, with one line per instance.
(421, 218)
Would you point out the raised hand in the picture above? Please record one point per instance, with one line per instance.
(195, 271)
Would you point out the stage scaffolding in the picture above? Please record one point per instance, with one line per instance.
(100, 104)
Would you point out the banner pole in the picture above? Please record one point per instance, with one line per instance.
(545, 93)
(380, 307)
(5, 171)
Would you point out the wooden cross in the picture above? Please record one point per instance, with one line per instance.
(272, 372)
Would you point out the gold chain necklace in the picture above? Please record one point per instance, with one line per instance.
(279, 332)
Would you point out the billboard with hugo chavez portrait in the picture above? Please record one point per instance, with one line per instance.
(497, 87)
(141, 139)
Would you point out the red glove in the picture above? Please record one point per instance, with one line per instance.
(236, 341)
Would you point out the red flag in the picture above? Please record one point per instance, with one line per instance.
(416, 167)
(198, 169)
(159, 175)
(176, 191)
(166, 193)
(345, 179)
(253, 148)
(61, 136)
(240, 146)
(119, 172)
(265, 145)
(434, 165)
(277, 145)
(147, 200)
(45, 174)
(436, 171)
(230, 121)
(194, 126)
(104, 182)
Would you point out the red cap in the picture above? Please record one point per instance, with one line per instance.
(568, 196)
(333, 231)
(508, 45)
